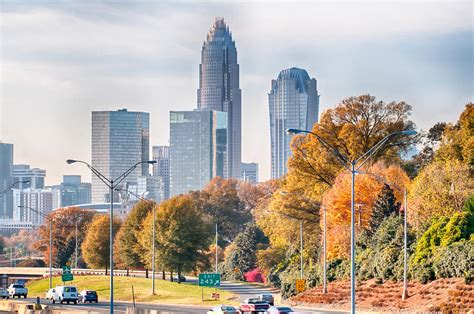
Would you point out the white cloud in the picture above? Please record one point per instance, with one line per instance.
(59, 61)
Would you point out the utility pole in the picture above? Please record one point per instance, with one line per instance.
(405, 253)
(301, 248)
(76, 244)
(325, 289)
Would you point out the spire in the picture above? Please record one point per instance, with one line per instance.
(219, 31)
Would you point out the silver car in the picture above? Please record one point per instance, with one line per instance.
(267, 297)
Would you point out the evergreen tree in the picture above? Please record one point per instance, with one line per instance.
(384, 206)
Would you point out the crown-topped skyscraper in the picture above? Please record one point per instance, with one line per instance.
(219, 88)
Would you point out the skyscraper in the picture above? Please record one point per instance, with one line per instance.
(294, 103)
(219, 87)
(6, 179)
(120, 139)
(74, 192)
(198, 149)
(162, 167)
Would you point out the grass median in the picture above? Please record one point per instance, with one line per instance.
(166, 292)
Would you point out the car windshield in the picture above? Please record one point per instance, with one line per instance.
(17, 286)
(228, 309)
(90, 292)
(286, 309)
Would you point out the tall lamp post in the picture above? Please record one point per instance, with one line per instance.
(50, 241)
(405, 232)
(11, 186)
(111, 184)
(353, 166)
(153, 236)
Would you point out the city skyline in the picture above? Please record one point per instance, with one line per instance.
(73, 70)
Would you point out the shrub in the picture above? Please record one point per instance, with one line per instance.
(255, 275)
(456, 260)
(338, 269)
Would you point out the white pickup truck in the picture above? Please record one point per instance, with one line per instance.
(17, 290)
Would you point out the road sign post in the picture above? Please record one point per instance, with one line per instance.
(67, 274)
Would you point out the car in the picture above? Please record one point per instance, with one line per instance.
(223, 309)
(182, 278)
(65, 294)
(88, 296)
(267, 297)
(50, 295)
(279, 309)
(253, 305)
(17, 290)
(4, 293)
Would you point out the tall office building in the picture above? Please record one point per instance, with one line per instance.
(250, 172)
(35, 176)
(74, 192)
(294, 103)
(120, 139)
(198, 149)
(40, 200)
(162, 167)
(219, 87)
(6, 179)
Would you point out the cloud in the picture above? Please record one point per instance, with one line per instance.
(61, 60)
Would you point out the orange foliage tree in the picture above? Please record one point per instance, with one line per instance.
(337, 202)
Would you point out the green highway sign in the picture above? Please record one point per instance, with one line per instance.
(210, 280)
(67, 275)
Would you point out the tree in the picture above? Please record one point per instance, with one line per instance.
(353, 127)
(242, 257)
(338, 204)
(64, 222)
(182, 235)
(384, 206)
(441, 189)
(128, 250)
(96, 245)
(220, 201)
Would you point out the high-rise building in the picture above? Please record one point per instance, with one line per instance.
(120, 139)
(294, 103)
(219, 87)
(74, 192)
(162, 168)
(6, 179)
(198, 149)
(40, 200)
(35, 176)
(250, 172)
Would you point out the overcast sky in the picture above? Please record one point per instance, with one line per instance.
(62, 59)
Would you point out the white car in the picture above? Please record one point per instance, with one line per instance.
(51, 295)
(4, 293)
(63, 294)
(223, 309)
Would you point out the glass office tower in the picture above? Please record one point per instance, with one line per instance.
(293, 103)
(198, 149)
(120, 139)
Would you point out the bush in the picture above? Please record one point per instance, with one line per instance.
(456, 260)
(255, 275)
(338, 269)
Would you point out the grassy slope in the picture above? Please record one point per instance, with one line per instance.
(166, 292)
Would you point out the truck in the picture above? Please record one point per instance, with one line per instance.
(254, 305)
(17, 290)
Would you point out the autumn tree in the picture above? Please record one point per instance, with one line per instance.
(96, 245)
(338, 203)
(64, 222)
(221, 203)
(441, 189)
(128, 250)
(182, 235)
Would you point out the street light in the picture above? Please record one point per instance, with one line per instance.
(405, 232)
(12, 185)
(353, 166)
(153, 237)
(111, 184)
(50, 242)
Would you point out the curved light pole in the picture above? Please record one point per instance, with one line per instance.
(353, 166)
(111, 184)
(405, 232)
(153, 236)
(50, 241)
(11, 186)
